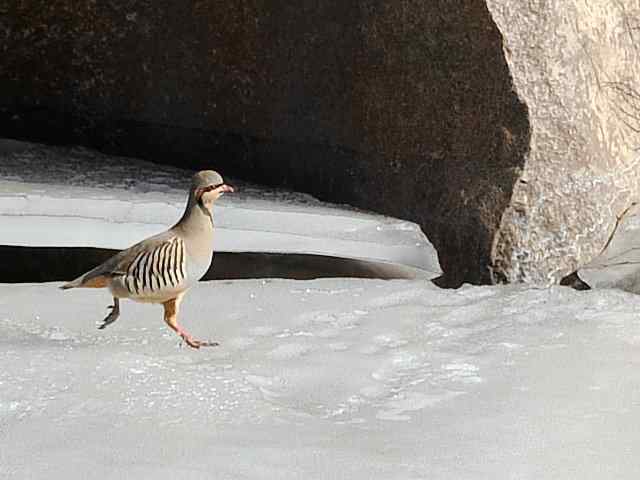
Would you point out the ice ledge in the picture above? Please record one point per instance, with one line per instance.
(51, 196)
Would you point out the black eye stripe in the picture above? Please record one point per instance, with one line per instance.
(212, 187)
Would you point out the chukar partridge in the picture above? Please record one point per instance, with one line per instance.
(161, 268)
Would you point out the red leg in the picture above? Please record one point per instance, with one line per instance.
(171, 318)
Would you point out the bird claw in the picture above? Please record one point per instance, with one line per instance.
(196, 344)
(109, 319)
(105, 323)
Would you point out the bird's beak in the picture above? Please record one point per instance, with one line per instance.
(226, 188)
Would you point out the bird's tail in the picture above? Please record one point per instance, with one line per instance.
(73, 283)
(96, 278)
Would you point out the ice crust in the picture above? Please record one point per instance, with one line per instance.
(53, 196)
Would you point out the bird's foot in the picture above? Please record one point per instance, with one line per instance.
(193, 343)
(109, 319)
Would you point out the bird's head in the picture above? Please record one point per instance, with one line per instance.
(207, 186)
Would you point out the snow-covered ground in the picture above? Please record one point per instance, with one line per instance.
(331, 379)
(322, 379)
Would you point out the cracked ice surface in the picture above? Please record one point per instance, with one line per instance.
(332, 378)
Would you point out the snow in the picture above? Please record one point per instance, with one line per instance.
(322, 379)
(332, 378)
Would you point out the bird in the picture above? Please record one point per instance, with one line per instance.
(163, 267)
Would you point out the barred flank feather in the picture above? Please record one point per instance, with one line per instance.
(154, 270)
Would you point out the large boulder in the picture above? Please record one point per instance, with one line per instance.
(505, 131)
(576, 66)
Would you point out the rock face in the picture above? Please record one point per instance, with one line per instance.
(576, 66)
(506, 131)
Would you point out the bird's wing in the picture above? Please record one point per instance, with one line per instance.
(152, 265)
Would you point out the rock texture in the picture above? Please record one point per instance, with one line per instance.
(618, 265)
(576, 66)
(506, 131)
